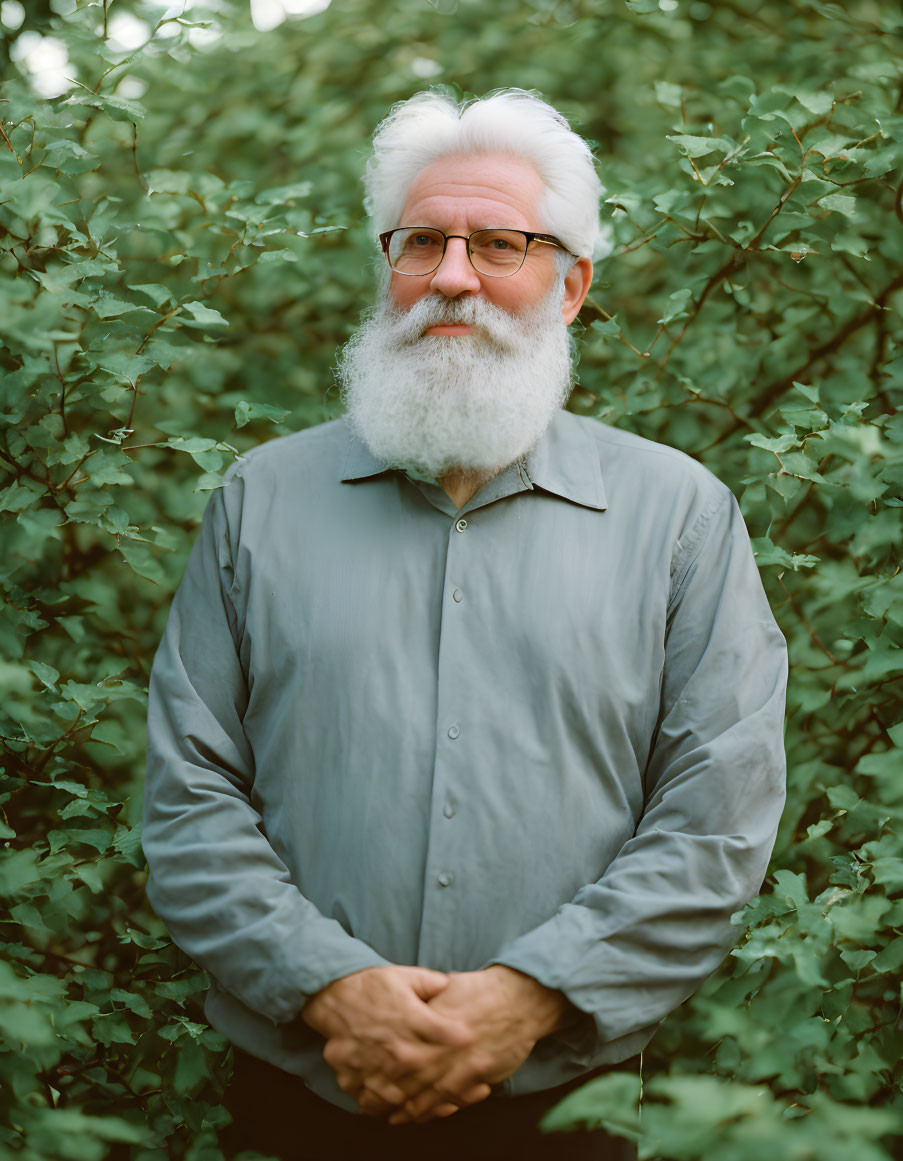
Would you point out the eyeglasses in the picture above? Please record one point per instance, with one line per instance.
(418, 250)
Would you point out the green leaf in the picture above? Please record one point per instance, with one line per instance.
(107, 306)
(246, 411)
(609, 328)
(677, 306)
(284, 194)
(767, 553)
(46, 674)
(694, 146)
(778, 444)
(203, 315)
(133, 1001)
(118, 108)
(158, 294)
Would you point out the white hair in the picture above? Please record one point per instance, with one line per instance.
(429, 126)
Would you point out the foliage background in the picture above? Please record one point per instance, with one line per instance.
(182, 248)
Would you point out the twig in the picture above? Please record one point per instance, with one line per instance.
(56, 359)
(159, 323)
(592, 308)
(65, 483)
(135, 155)
(128, 423)
(816, 640)
(735, 262)
(48, 754)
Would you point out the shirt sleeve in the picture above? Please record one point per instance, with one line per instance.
(632, 946)
(215, 880)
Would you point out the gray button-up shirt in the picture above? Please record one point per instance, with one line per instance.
(543, 730)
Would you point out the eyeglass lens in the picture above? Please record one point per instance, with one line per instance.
(492, 252)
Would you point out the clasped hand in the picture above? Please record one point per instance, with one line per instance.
(415, 1044)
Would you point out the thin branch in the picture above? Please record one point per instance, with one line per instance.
(773, 390)
(49, 752)
(65, 483)
(135, 393)
(637, 245)
(135, 155)
(734, 263)
(754, 244)
(593, 309)
(56, 359)
(814, 637)
(159, 323)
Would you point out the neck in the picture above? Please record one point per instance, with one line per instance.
(460, 484)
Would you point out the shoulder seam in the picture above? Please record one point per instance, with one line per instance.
(689, 548)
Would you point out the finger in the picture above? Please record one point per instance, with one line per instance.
(373, 1106)
(421, 1108)
(446, 1110)
(478, 1093)
(389, 1093)
(342, 1052)
(428, 983)
(424, 1106)
(407, 1061)
(436, 1108)
(350, 1081)
(435, 1028)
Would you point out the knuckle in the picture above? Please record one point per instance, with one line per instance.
(382, 1091)
(467, 1037)
(479, 1092)
(404, 1055)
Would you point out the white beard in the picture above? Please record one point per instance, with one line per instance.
(430, 403)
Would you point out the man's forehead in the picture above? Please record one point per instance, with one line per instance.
(478, 184)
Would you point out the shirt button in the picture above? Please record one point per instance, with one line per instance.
(461, 524)
(458, 595)
(453, 731)
(445, 879)
(448, 810)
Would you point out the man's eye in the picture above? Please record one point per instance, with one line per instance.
(500, 244)
(423, 240)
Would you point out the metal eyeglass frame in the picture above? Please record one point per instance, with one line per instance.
(530, 235)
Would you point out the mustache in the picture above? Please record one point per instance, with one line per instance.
(491, 324)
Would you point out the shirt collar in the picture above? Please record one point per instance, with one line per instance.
(565, 463)
(360, 462)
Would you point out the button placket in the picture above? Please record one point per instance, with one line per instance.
(451, 757)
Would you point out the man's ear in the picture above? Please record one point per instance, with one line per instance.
(576, 287)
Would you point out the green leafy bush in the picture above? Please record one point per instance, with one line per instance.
(182, 249)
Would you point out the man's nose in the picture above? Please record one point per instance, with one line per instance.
(454, 275)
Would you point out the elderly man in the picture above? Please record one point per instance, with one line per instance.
(465, 731)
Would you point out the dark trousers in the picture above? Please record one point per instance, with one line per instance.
(275, 1114)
